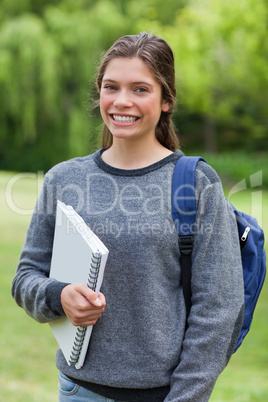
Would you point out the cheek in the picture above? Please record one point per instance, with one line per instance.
(152, 109)
(104, 103)
(148, 106)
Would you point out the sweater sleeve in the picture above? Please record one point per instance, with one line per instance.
(32, 288)
(217, 310)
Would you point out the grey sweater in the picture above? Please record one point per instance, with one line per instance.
(139, 349)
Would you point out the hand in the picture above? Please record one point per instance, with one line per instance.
(82, 305)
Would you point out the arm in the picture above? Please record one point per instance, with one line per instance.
(44, 298)
(31, 287)
(217, 295)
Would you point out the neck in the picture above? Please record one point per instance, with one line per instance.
(130, 155)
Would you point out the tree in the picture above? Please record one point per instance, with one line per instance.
(49, 51)
(221, 57)
(47, 66)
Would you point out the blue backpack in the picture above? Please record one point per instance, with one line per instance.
(250, 233)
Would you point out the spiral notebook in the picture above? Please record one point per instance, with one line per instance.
(78, 256)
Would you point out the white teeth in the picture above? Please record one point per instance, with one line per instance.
(124, 119)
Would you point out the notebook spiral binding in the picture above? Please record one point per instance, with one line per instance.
(80, 332)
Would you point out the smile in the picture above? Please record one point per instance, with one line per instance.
(124, 119)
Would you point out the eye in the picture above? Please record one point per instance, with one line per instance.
(110, 87)
(141, 90)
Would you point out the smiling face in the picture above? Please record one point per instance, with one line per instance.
(130, 99)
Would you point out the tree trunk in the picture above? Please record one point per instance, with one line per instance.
(210, 135)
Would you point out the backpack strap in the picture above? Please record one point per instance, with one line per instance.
(184, 216)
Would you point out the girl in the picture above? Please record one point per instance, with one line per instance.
(139, 349)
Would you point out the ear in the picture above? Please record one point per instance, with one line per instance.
(165, 106)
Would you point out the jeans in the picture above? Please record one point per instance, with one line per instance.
(71, 392)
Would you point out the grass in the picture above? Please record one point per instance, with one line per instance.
(233, 167)
(246, 377)
(27, 366)
(28, 372)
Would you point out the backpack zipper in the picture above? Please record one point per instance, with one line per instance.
(245, 234)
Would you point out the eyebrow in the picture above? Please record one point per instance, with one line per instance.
(133, 83)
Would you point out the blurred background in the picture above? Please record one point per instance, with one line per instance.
(49, 55)
(50, 50)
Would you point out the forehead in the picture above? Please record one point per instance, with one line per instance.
(131, 69)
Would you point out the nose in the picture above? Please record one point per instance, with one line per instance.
(123, 99)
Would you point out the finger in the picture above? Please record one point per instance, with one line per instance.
(102, 299)
(85, 321)
(93, 298)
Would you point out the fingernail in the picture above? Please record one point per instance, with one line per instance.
(97, 302)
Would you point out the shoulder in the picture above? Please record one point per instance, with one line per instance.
(78, 162)
(207, 184)
(206, 176)
(71, 169)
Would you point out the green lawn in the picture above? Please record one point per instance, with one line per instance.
(27, 366)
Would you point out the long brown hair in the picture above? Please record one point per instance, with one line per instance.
(158, 57)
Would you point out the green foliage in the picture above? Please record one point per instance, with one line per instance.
(50, 49)
(162, 12)
(45, 71)
(233, 167)
(27, 54)
(221, 56)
